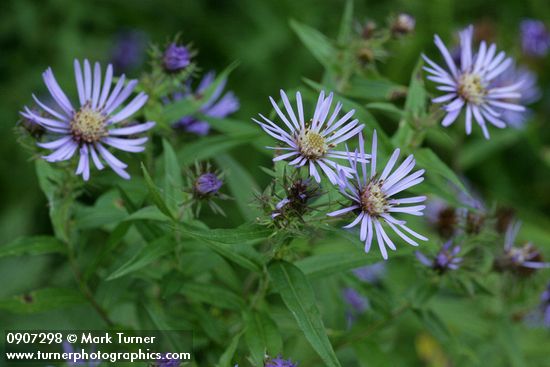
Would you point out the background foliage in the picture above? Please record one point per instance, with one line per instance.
(408, 325)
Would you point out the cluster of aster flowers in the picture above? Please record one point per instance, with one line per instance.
(312, 145)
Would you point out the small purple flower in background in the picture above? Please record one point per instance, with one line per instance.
(545, 306)
(356, 302)
(527, 87)
(403, 24)
(89, 127)
(371, 197)
(166, 362)
(535, 38)
(215, 106)
(207, 184)
(279, 362)
(371, 273)
(128, 51)
(446, 259)
(176, 57)
(312, 144)
(468, 86)
(524, 260)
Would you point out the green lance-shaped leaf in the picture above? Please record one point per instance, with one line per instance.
(415, 110)
(262, 336)
(298, 297)
(32, 245)
(212, 146)
(242, 234)
(318, 266)
(227, 245)
(146, 256)
(172, 177)
(42, 300)
(59, 203)
(242, 185)
(316, 42)
(227, 356)
(212, 295)
(346, 24)
(156, 196)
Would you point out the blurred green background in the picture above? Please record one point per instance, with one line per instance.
(37, 34)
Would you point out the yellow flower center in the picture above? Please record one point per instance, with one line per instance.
(373, 199)
(471, 88)
(88, 125)
(312, 145)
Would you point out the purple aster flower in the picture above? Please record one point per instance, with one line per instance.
(312, 144)
(207, 184)
(468, 86)
(535, 38)
(525, 259)
(527, 88)
(90, 127)
(176, 57)
(280, 362)
(446, 259)
(371, 273)
(128, 50)
(215, 106)
(371, 197)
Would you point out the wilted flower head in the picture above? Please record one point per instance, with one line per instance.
(535, 38)
(312, 144)
(216, 105)
(371, 197)
(176, 57)
(298, 194)
(524, 260)
(279, 362)
(442, 216)
(366, 29)
(469, 86)
(403, 24)
(90, 127)
(527, 88)
(128, 50)
(446, 259)
(207, 184)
